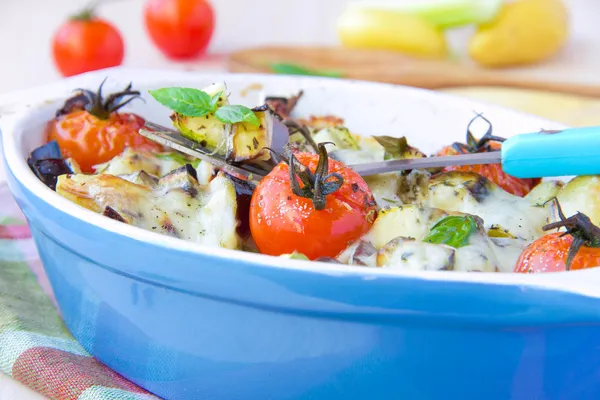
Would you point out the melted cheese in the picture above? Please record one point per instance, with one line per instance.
(398, 232)
(473, 194)
(130, 163)
(178, 206)
(410, 254)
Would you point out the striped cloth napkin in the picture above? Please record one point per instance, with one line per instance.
(35, 346)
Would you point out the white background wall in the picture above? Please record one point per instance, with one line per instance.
(26, 28)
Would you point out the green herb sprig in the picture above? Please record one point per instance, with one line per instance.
(454, 231)
(191, 102)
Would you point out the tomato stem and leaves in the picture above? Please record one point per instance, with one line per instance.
(316, 186)
(454, 231)
(89, 11)
(580, 227)
(473, 145)
(192, 102)
(101, 108)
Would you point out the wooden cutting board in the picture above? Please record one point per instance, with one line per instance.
(389, 67)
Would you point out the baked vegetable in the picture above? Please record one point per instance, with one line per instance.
(91, 129)
(310, 204)
(178, 206)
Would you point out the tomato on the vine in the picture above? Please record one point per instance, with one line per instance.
(577, 248)
(86, 43)
(180, 28)
(312, 205)
(494, 172)
(90, 129)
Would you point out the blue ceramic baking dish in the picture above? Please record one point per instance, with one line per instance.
(190, 322)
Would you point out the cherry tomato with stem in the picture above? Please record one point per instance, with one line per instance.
(577, 248)
(91, 130)
(494, 172)
(311, 205)
(86, 43)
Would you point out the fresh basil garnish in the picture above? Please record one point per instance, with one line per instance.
(185, 101)
(197, 103)
(454, 231)
(215, 100)
(232, 114)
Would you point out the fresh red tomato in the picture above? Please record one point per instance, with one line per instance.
(549, 254)
(93, 132)
(86, 43)
(493, 172)
(180, 28)
(561, 251)
(318, 218)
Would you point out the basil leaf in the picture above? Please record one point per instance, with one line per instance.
(233, 114)
(454, 231)
(185, 101)
(394, 147)
(215, 100)
(293, 69)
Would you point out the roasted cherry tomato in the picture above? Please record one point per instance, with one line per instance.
(311, 205)
(180, 28)
(86, 43)
(90, 129)
(494, 172)
(579, 248)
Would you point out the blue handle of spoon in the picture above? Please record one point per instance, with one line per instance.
(574, 151)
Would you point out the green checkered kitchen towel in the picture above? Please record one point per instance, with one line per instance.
(35, 346)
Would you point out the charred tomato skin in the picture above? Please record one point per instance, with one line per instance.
(281, 222)
(549, 254)
(493, 172)
(90, 140)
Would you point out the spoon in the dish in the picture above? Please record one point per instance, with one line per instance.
(173, 139)
(573, 151)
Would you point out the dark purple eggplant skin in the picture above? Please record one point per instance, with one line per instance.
(45, 152)
(113, 214)
(47, 164)
(243, 191)
(283, 106)
(49, 170)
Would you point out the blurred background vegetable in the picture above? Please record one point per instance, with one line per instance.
(366, 27)
(507, 33)
(442, 14)
(525, 31)
(85, 43)
(180, 28)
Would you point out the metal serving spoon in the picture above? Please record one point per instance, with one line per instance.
(574, 151)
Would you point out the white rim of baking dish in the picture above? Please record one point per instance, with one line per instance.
(583, 282)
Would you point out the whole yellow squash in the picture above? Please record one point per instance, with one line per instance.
(524, 32)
